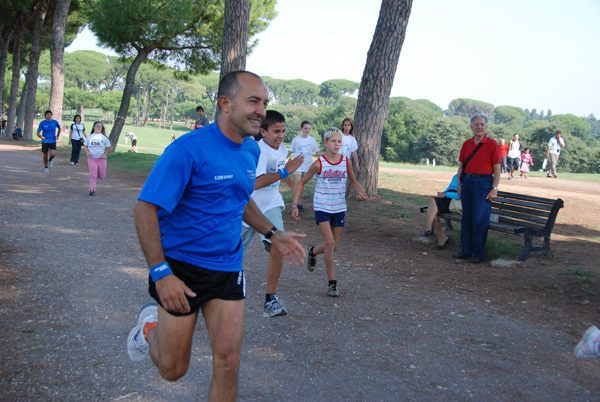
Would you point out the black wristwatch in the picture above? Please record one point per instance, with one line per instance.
(270, 233)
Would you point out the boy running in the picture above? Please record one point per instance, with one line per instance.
(333, 170)
(270, 170)
(305, 145)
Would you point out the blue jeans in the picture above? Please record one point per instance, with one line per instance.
(476, 216)
(75, 150)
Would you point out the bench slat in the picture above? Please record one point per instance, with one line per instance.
(497, 209)
(523, 218)
(502, 201)
(525, 197)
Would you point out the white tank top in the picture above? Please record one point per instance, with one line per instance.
(330, 190)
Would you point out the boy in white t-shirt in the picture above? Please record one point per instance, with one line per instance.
(272, 168)
(304, 145)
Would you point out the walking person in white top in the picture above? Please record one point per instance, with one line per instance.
(97, 148)
(514, 155)
(76, 136)
(304, 145)
(555, 145)
(271, 169)
(333, 171)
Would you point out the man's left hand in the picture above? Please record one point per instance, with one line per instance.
(491, 196)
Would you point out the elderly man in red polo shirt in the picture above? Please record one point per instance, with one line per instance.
(480, 161)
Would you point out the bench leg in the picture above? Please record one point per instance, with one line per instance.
(527, 248)
(547, 246)
(448, 225)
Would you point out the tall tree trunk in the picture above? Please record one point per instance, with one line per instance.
(145, 102)
(172, 114)
(376, 85)
(21, 108)
(81, 112)
(14, 84)
(165, 110)
(137, 111)
(148, 104)
(5, 41)
(127, 92)
(57, 50)
(235, 36)
(41, 22)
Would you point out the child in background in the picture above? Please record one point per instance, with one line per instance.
(526, 160)
(333, 170)
(97, 147)
(349, 144)
(304, 145)
(133, 139)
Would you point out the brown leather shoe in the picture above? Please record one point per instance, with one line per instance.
(461, 256)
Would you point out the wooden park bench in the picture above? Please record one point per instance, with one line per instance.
(519, 214)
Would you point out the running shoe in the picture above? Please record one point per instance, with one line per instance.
(301, 208)
(46, 170)
(137, 345)
(333, 291)
(72, 163)
(311, 261)
(586, 346)
(274, 308)
(50, 164)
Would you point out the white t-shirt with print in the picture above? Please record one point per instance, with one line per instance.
(96, 144)
(349, 145)
(306, 147)
(270, 161)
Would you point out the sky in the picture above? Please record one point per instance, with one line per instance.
(534, 54)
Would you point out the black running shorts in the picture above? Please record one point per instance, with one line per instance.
(206, 283)
(48, 146)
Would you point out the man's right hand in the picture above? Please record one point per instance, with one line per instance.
(293, 164)
(172, 292)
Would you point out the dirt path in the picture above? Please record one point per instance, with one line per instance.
(411, 324)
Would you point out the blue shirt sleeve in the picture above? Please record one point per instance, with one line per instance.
(451, 191)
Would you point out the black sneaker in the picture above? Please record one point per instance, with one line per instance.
(301, 208)
(311, 261)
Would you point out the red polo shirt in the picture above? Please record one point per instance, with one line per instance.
(484, 159)
(503, 150)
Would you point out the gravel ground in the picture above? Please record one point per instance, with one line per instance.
(73, 277)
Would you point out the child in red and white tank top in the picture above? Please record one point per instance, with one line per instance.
(332, 170)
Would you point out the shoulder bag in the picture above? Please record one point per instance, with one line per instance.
(462, 175)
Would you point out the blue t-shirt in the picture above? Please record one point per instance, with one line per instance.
(48, 129)
(201, 184)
